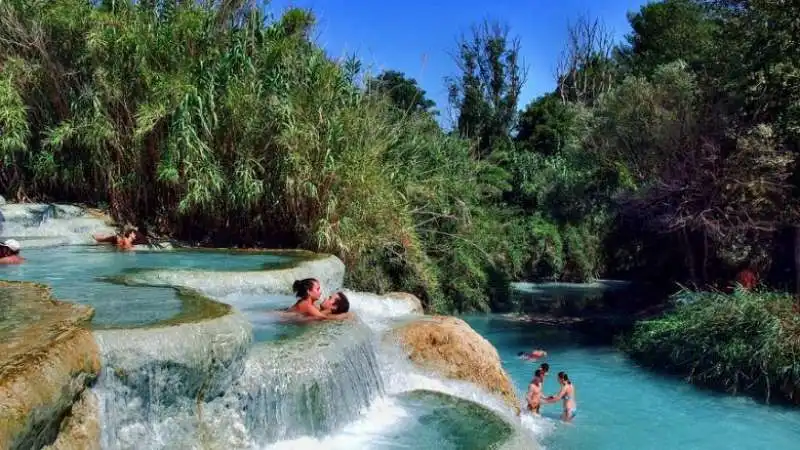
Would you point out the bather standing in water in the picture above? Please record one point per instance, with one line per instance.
(567, 394)
(308, 290)
(534, 396)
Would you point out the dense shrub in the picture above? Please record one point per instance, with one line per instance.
(745, 342)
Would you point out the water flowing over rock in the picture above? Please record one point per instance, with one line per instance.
(47, 359)
(307, 385)
(48, 225)
(159, 366)
(311, 385)
(451, 348)
(227, 370)
(329, 270)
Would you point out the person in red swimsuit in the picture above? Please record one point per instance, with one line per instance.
(9, 252)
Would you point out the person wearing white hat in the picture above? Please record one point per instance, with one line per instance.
(9, 252)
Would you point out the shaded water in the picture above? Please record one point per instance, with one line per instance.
(622, 406)
(76, 273)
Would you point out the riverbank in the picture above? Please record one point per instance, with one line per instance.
(744, 342)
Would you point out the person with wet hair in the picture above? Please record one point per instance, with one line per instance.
(123, 241)
(337, 303)
(545, 370)
(9, 252)
(308, 291)
(567, 394)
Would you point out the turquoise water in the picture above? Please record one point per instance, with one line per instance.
(621, 406)
(76, 273)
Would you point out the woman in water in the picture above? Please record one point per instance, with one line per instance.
(308, 292)
(123, 241)
(567, 394)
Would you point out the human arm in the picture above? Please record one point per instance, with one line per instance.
(557, 397)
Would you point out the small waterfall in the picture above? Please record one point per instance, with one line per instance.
(47, 225)
(153, 380)
(309, 386)
(304, 386)
(47, 214)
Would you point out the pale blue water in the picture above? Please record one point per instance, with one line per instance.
(621, 406)
(75, 273)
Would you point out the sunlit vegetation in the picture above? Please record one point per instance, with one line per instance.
(661, 158)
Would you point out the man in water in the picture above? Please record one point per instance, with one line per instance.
(534, 396)
(335, 305)
(9, 252)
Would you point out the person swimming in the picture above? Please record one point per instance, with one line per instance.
(533, 355)
(308, 291)
(9, 252)
(567, 394)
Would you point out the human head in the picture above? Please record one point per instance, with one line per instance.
(563, 378)
(10, 247)
(538, 374)
(337, 303)
(545, 369)
(307, 287)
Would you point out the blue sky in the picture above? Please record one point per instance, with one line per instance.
(417, 36)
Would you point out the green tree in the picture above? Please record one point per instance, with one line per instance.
(404, 92)
(545, 125)
(484, 96)
(668, 31)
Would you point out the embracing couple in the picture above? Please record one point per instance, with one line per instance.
(308, 292)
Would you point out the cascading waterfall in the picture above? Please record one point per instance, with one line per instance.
(305, 386)
(248, 380)
(47, 225)
(308, 386)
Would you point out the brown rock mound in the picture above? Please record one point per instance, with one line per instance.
(47, 358)
(451, 347)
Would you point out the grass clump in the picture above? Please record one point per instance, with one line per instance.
(743, 342)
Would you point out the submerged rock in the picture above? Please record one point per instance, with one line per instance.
(47, 359)
(450, 347)
(443, 421)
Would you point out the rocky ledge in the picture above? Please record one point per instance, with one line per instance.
(48, 357)
(450, 347)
